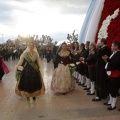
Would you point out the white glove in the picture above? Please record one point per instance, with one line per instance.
(77, 63)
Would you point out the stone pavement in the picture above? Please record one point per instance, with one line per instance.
(76, 105)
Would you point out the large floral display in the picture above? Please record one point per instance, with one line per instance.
(109, 25)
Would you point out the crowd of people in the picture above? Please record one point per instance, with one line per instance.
(13, 52)
(96, 67)
(8, 52)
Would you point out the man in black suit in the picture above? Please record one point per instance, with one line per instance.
(101, 76)
(113, 72)
(86, 53)
(5, 53)
(80, 65)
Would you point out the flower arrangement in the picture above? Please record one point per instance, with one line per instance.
(72, 65)
(103, 33)
(109, 25)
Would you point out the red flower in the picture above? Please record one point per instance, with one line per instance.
(114, 28)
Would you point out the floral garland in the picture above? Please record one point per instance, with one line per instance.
(104, 28)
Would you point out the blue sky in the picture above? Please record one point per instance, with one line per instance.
(55, 18)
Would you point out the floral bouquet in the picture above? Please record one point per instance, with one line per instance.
(20, 68)
(72, 67)
(19, 71)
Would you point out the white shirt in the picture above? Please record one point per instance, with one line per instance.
(109, 72)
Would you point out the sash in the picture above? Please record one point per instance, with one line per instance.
(32, 63)
(115, 73)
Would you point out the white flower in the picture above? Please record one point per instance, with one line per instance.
(103, 30)
(72, 65)
(115, 14)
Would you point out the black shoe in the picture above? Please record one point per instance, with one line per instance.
(34, 98)
(118, 109)
(110, 108)
(91, 94)
(79, 84)
(96, 99)
(83, 85)
(107, 104)
(75, 78)
(87, 89)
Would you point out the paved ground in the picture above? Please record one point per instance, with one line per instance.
(76, 105)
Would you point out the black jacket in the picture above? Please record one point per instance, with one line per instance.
(114, 62)
(91, 59)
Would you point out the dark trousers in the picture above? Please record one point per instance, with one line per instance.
(91, 70)
(5, 57)
(114, 85)
(101, 83)
(86, 70)
(13, 56)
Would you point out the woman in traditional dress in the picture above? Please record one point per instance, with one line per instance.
(62, 81)
(1, 68)
(29, 74)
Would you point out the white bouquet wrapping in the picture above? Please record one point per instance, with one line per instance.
(72, 65)
(20, 68)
